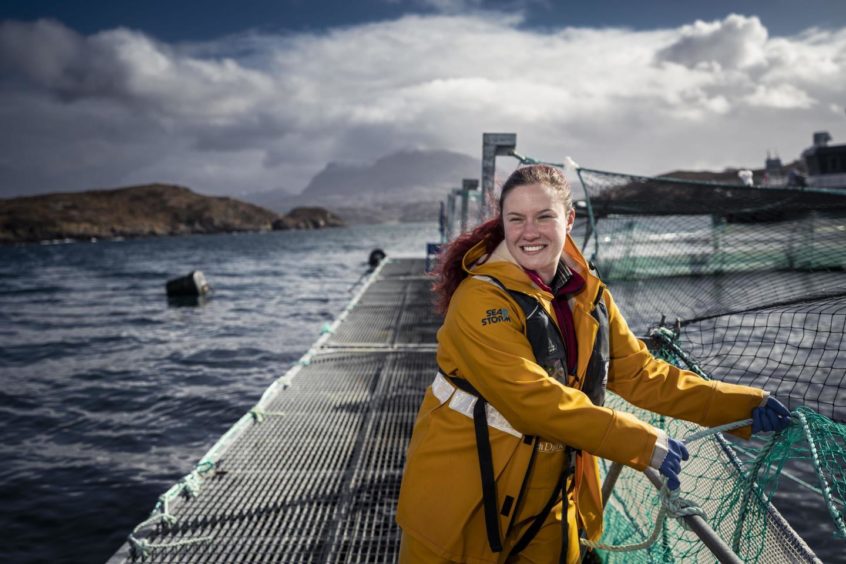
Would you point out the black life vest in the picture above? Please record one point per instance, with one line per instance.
(550, 353)
(549, 349)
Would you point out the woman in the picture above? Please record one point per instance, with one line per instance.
(501, 463)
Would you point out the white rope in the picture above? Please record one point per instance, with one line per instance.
(671, 502)
(143, 547)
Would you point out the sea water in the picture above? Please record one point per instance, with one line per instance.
(109, 393)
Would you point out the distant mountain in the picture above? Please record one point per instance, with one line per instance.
(429, 173)
(402, 186)
(138, 211)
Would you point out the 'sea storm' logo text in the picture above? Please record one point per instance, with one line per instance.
(495, 316)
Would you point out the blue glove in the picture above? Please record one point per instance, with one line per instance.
(773, 416)
(671, 467)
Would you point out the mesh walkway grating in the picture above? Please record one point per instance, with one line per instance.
(317, 480)
(392, 312)
(403, 267)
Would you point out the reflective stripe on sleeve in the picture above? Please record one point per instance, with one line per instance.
(463, 403)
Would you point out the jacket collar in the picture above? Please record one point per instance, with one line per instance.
(502, 265)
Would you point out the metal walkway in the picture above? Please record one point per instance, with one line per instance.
(316, 479)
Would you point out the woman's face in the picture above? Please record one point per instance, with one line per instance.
(536, 225)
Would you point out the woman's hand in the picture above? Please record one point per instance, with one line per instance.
(671, 467)
(772, 416)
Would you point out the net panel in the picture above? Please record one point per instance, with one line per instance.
(759, 280)
(752, 280)
(714, 479)
(686, 249)
(795, 351)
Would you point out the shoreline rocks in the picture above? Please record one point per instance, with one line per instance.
(142, 211)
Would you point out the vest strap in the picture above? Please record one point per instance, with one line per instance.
(483, 447)
(559, 492)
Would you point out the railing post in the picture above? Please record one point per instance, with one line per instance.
(610, 480)
(467, 185)
(450, 216)
(493, 144)
(701, 528)
(591, 220)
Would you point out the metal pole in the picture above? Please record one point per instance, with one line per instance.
(591, 218)
(701, 528)
(442, 222)
(493, 144)
(467, 185)
(464, 196)
(450, 223)
(610, 480)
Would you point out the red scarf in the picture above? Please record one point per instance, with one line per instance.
(564, 283)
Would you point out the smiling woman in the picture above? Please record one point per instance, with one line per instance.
(501, 462)
(537, 218)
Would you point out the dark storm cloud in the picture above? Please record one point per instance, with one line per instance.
(49, 56)
(260, 111)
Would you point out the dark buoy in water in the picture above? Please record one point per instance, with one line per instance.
(376, 256)
(192, 285)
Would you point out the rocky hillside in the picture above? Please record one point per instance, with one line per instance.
(309, 218)
(139, 211)
(419, 175)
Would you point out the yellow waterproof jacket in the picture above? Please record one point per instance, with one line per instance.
(440, 500)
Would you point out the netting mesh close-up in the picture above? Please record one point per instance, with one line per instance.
(745, 285)
(716, 481)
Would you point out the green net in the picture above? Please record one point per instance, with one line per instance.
(752, 282)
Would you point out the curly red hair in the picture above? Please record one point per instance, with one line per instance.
(450, 271)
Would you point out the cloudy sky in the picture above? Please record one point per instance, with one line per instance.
(238, 97)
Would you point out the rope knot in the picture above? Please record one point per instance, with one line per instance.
(139, 546)
(168, 519)
(205, 467)
(680, 507)
(191, 484)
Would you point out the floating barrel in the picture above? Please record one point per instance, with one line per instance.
(194, 284)
(376, 256)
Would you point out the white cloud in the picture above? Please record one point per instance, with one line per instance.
(780, 96)
(736, 42)
(256, 112)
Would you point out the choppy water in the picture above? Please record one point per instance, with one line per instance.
(108, 394)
